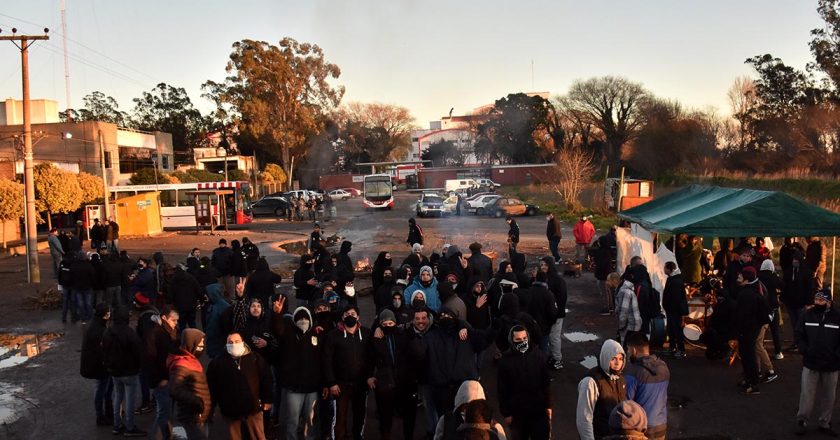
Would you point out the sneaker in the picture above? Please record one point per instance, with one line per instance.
(118, 431)
(145, 409)
(769, 377)
(679, 354)
(752, 389)
(605, 312)
(557, 365)
(826, 430)
(779, 356)
(134, 433)
(801, 428)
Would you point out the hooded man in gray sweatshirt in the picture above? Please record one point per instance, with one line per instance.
(600, 391)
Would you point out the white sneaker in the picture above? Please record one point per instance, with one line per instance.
(779, 356)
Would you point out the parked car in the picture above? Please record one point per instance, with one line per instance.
(504, 206)
(429, 204)
(276, 206)
(340, 194)
(487, 183)
(353, 192)
(479, 204)
(459, 185)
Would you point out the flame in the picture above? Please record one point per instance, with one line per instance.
(363, 265)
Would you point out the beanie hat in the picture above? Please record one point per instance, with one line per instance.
(768, 265)
(628, 416)
(387, 315)
(823, 294)
(416, 247)
(748, 273)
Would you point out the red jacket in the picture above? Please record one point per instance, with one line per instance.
(584, 232)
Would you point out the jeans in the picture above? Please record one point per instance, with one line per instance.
(113, 297)
(749, 359)
(606, 293)
(125, 392)
(145, 390)
(102, 398)
(818, 390)
(163, 411)
(56, 260)
(84, 303)
(776, 331)
(555, 339)
(429, 407)
(69, 304)
(351, 397)
(676, 339)
(553, 244)
(581, 252)
(296, 408)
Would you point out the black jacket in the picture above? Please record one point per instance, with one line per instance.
(252, 255)
(222, 261)
(185, 291)
(240, 386)
(393, 360)
(449, 360)
(818, 339)
(481, 268)
(261, 283)
(300, 353)
(83, 274)
(159, 343)
(477, 317)
(348, 358)
(260, 328)
(553, 229)
(415, 235)
(123, 349)
(542, 306)
(796, 289)
(752, 311)
(772, 284)
(524, 383)
(673, 296)
(303, 290)
(93, 355)
(513, 232)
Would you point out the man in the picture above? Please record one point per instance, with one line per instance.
(347, 366)
(730, 281)
(415, 233)
(84, 278)
(299, 370)
(543, 307)
(417, 329)
(240, 383)
(584, 232)
(627, 309)
(676, 306)
(185, 295)
(188, 385)
(143, 289)
(790, 248)
(751, 315)
(600, 391)
(554, 234)
(480, 265)
(222, 262)
(454, 424)
(796, 288)
(604, 257)
(315, 236)
(818, 338)
(123, 353)
(56, 250)
(513, 233)
(524, 387)
(815, 260)
(97, 235)
(112, 235)
(161, 341)
(93, 365)
(394, 382)
(647, 379)
(416, 259)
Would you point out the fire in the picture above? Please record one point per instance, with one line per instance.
(363, 265)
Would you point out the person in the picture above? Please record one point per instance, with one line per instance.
(159, 342)
(762, 252)
(213, 325)
(112, 277)
(524, 385)
(604, 256)
(256, 331)
(252, 254)
(222, 262)
(416, 259)
(260, 284)
(112, 235)
(751, 315)
(690, 255)
(298, 375)
(553, 233)
(188, 385)
(796, 290)
(97, 235)
(478, 307)
(584, 232)
(239, 261)
(601, 389)
(676, 307)
(143, 289)
(84, 277)
(92, 365)
(240, 383)
(383, 261)
(426, 283)
(628, 421)
(450, 300)
(725, 256)
(185, 296)
(815, 260)
(383, 295)
(542, 306)
(347, 366)
(480, 265)
(629, 318)
(730, 280)
(772, 284)
(478, 420)
(56, 250)
(470, 395)
(393, 382)
(415, 233)
(818, 337)
(194, 257)
(123, 352)
(513, 233)
(305, 281)
(647, 378)
(790, 248)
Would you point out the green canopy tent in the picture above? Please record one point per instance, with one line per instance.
(712, 211)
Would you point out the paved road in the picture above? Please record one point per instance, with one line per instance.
(54, 402)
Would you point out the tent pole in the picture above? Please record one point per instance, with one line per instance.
(833, 262)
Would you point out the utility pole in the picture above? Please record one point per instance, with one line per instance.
(66, 62)
(104, 175)
(28, 172)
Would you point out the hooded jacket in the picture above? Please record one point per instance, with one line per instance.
(818, 338)
(415, 233)
(394, 365)
(481, 267)
(430, 291)
(215, 337)
(627, 309)
(159, 342)
(598, 393)
(343, 257)
(449, 424)
(673, 295)
(379, 266)
(302, 275)
(347, 358)
(511, 315)
(222, 261)
(92, 365)
(187, 381)
(185, 291)
(772, 284)
(122, 347)
(259, 327)
(751, 311)
(604, 255)
(477, 317)
(553, 229)
(647, 381)
(524, 382)
(542, 306)
(448, 359)
(261, 283)
(584, 232)
(300, 352)
(450, 300)
(240, 386)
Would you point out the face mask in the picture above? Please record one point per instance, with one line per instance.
(350, 321)
(198, 352)
(521, 347)
(387, 278)
(447, 323)
(388, 330)
(455, 286)
(397, 303)
(820, 308)
(303, 324)
(322, 316)
(236, 350)
(418, 304)
(350, 291)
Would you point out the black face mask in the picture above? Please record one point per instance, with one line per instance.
(418, 304)
(447, 323)
(350, 321)
(820, 308)
(389, 330)
(426, 283)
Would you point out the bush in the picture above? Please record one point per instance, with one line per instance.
(92, 187)
(56, 190)
(146, 176)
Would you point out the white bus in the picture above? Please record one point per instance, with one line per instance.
(177, 209)
(378, 191)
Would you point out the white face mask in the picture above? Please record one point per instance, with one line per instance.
(303, 324)
(236, 350)
(350, 291)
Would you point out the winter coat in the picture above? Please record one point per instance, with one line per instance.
(510, 315)
(524, 383)
(113, 272)
(598, 393)
(93, 355)
(302, 275)
(83, 274)
(542, 307)
(240, 386)
(144, 283)
(415, 234)
(449, 360)
(584, 232)
(513, 232)
(477, 317)
(815, 256)
(252, 255)
(185, 291)
(553, 229)
(796, 288)
(771, 283)
(394, 364)
(260, 328)
(347, 358)
(261, 283)
(752, 311)
(818, 338)
(689, 256)
(647, 381)
(431, 291)
(222, 261)
(673, 295)
(159, 342)
(214, 334)
(604, 255)
(188, 388)
(481, 268)
(300, 353)
(122, 348)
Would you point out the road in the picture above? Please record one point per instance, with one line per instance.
(51, 401)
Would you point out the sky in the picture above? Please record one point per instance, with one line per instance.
(428, 56)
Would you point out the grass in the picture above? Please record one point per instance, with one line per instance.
(549, 201)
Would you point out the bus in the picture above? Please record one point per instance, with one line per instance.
(177, 209)
(378, 191)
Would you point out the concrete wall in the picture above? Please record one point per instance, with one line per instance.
(42, 111)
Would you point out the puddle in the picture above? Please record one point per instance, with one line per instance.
(580, 337)
(589, 362)
(16, 349)
(11, 407)
(295, 247)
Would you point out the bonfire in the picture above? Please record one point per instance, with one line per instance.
(363, 265)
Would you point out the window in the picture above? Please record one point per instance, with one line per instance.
(184, 199)
(168, 198)
(108, 160)
(133, 159)
(164, 163)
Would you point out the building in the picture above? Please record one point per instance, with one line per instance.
(213, 159)
(76, 146)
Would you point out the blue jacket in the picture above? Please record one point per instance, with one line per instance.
(647, 384)
(431, 292)
(215, 337)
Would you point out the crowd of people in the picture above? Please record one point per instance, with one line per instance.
(301, 363)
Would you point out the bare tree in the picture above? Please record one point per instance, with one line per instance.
(575, 168)
(612, 105)
(397, 123)
(742, 98)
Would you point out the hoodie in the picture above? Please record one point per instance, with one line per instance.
(524, 382)
(448, 424)
(300, 371)
(430, 291)
(216, 337)
(598, 393)
(187, 382)
(647, 384)
(343, 257)
(772, 284)
(240, 386)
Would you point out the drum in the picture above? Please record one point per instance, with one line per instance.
(698, 309)
(692, 332)
(657, 331)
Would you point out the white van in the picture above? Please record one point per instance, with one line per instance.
(459, 185)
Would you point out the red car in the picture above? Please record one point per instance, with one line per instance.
(355, 192)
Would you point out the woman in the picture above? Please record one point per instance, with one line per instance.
(383, 260)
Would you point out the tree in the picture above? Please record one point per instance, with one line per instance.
(99, 107)
(92, 187)
(280, 94)
(193, 175)
(444, 153)
(169, 109)
(826, 43)
(148, 176)
(56, 191)
(11, 203)
(575, 168)
(516, 132)
(742, 98)
(390, 124)
(612, 105)
(274, 173)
